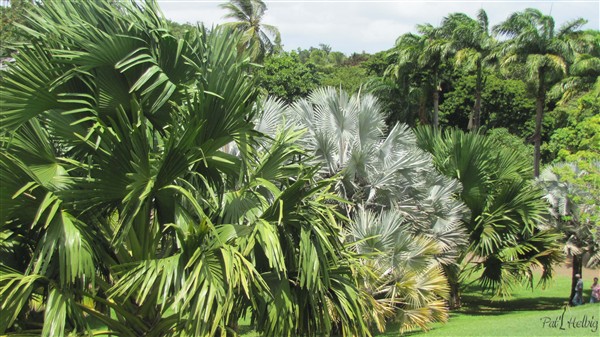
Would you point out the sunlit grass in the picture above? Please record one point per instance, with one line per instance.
(529, 312)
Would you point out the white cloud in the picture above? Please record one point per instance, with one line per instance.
(353, 26)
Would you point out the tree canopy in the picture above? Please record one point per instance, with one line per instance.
(159, 178)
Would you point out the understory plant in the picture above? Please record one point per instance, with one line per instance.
(122, 212)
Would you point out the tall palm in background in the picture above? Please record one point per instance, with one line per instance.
(584, 71)
(475, 49)
(403, 75)
(423, 55)
(505, 242)
(121, 207)
(545, 53)
(256, 35)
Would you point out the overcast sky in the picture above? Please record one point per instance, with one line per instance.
(370, 25)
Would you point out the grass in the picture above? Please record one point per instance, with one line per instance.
(519, 323)
(537, 312)
(528, 312)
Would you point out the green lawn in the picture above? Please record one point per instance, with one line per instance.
(519, 323)
(527, 313)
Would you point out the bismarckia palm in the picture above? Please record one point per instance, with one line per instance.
(401, 206)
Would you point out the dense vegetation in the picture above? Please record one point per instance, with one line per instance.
(162, 179)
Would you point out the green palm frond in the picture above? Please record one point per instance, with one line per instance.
(15, 290)
(115, 168)
(256, 36)
(506, 209)
(573, 206)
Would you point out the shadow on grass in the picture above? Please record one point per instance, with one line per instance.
(477, 306)
(476, 302)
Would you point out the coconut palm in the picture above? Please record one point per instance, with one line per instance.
(575, 212)
(256, 34)
(120, 205)
(544, 52)
(505, 242)
(475, 48)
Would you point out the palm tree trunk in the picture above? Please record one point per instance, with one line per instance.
(477, 108)
(436, 104)
(454, 300)
(422, 111)
(474, 117)
(477, 111)
(471, 120)
(539, 116)
(576, 268)
(453, 276)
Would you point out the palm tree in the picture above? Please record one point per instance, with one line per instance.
(475, 48)
(402, 80)
(422, 57)
(585, 70)
(505, 242)
(121, 205)
(544, 52)
(575, 211)
(406, 278)
(397, 196)
(396, 98)
(256, 35)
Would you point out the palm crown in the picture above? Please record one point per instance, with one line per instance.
(545, 51)
(255, 36)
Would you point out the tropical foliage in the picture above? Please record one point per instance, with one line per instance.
(148, 185)
(505, 241)
(584, 69)
(293, 75)
(505, 103)
(284, 76)
(572, 191)
(121, 206)
(577, 124)
(546, 54)
(475, 48)
(419, 60)
(406, 220)
(256, 35)
(10, 17)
